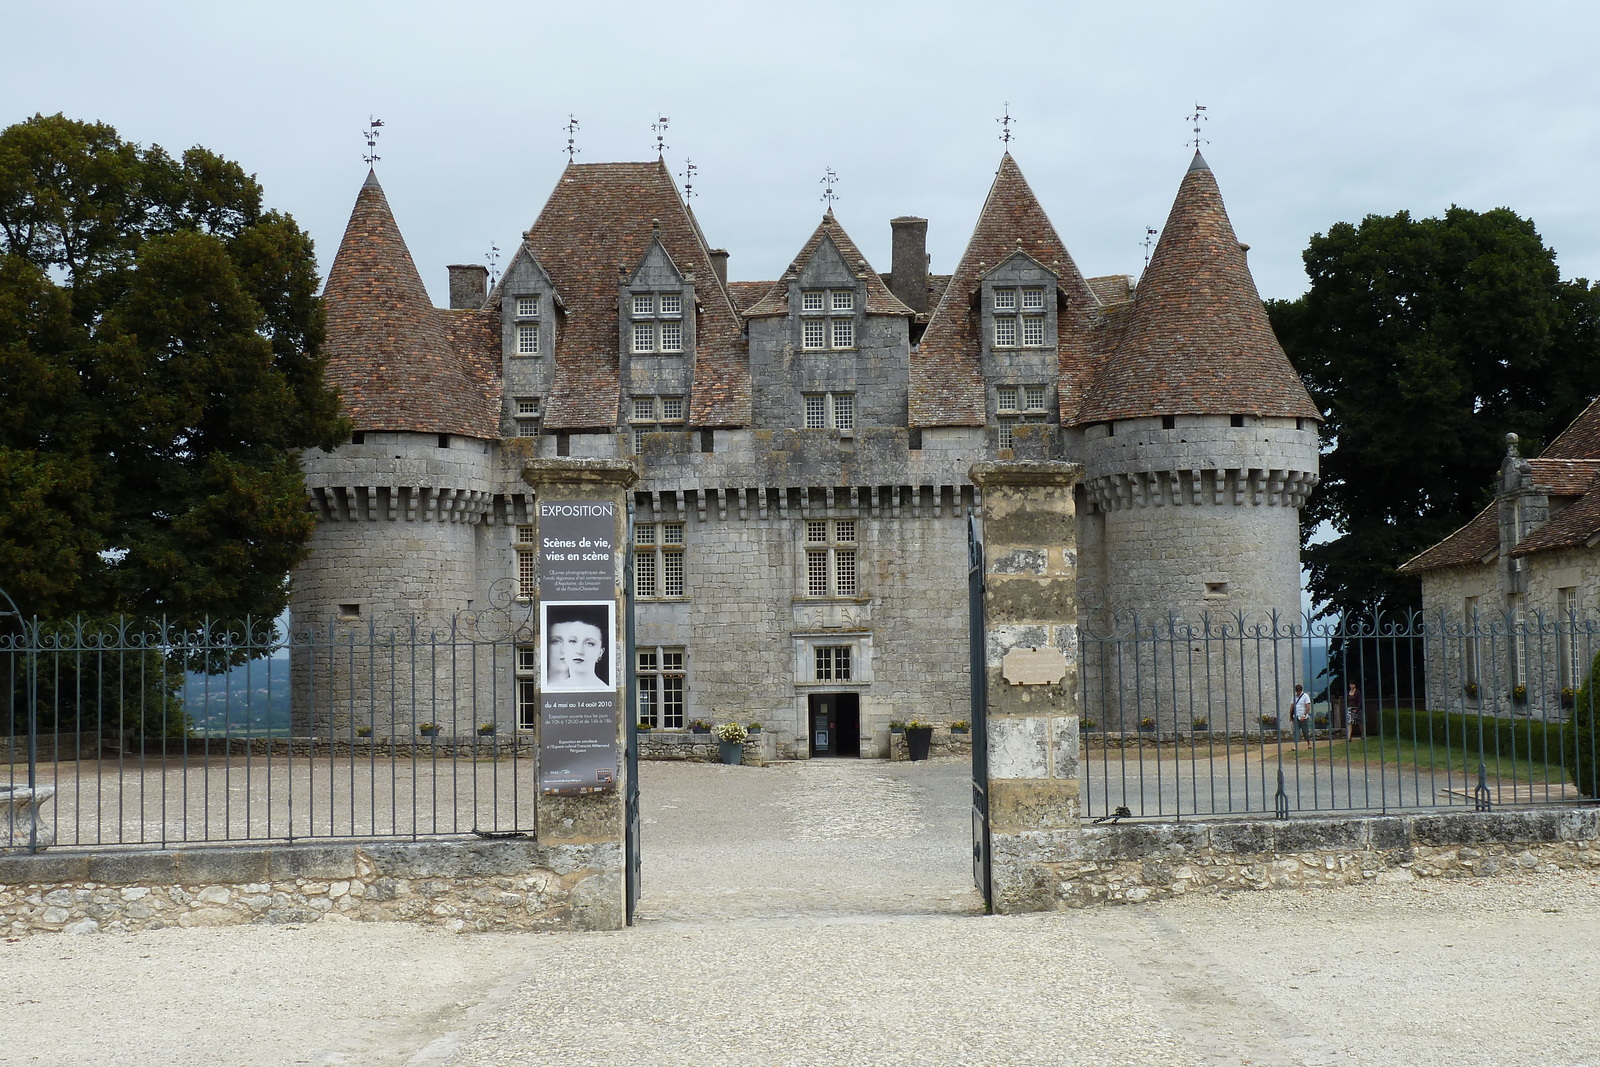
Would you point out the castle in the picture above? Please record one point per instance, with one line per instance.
(800, 529)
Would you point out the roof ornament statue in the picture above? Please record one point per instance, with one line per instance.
(492, 257)
(688, 173)
(571, 127)
(1195, 120)
(370, 135)
(829, 179)
(1006, 122)
(659, 128)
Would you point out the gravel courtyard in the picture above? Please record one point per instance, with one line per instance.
(820, 913)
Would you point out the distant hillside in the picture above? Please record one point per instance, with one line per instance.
(249, 701)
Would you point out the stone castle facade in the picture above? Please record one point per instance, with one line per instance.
(801, 523)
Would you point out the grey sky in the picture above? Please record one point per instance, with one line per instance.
(1318, 113)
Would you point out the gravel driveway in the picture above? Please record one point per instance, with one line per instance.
(818, 913)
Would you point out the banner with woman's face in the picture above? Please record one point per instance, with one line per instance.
(577, 641)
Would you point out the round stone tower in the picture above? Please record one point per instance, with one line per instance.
(401, 507)
(1199, 446)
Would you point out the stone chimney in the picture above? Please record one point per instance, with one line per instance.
(719, 263)
(908, 269)
(469, 285)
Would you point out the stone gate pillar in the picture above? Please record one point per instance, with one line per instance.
(581, 530)
(1032, 663)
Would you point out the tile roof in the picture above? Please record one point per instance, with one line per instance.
(388, 353)
(1112, 288)
(946, 374)
(1467, 547)
(474, 334)
(599, 218)
(1574, 526)
(745, 294)
(1565, 477)
(1199, 342)
(1581, 438)
(880, 301)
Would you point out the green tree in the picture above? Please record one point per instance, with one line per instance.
(159, 373)
(1424, 341)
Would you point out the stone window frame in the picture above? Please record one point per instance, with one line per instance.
(525, 306)
(860, 644)
(525, 545)
(527, 677)
(658, 560)
(527, 414)
(662, 673)
(1013, 407)
(648, 316)
(527, 339)
(829, 411)
(1019, 288)
(832, 663)
(835, 310)
(666, 413)
(831, 550)
(1570, 667)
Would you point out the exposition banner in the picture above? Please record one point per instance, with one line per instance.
(579, 658)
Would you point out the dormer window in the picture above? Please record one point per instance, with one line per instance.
(1032, 299)
(644, 304)
(671, 304)
(1012, 323)
(528, 339)
(657, 322)
(527, 307)
(1016, 404)
(830, 328)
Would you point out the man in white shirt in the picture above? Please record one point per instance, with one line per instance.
(1300, 713)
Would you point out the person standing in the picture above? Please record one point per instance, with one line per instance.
(1300, 713)
(1355, 715)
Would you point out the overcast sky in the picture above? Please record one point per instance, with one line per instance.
(1316, 116)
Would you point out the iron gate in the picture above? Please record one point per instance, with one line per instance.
(976, 652)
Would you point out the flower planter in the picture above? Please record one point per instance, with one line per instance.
(732, 752)
(918, 741)
(959, 731)
(486, 731)
(430, 731)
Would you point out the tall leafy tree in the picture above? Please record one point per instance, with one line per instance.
(1424, 341)
(159, 374)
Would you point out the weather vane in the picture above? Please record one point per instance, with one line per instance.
(689, 171)
(1149, 239)
(571, 127)
(370, 135)
(659, 128)
(1005, 126)
(1197, 118)
(493, 259)
(828, 180)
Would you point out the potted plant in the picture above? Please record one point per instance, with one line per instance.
(699, 726)
(1147, 723)
(919, 738)
(1087, 723)
(363, 730)
(896, 726)
(961, 726)
(1321, 722)
(1471, 689)
(1269, 722)
(429, 729)
(1569, 697)
(486, 729)
(1201, 725)
(1519, 694)
(753, 727)
(730, 742)
(644, 727)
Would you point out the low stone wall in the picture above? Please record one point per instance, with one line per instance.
(343, 746)
(697, 748)
(459, 885)
(1129, 863)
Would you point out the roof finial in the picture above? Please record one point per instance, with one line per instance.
(1196, 119)
(1006, 122)
(1511, 445)
(571, 127)
(492, 257)
(659, 127)
(689, 171)
(370, 135)
(1149, 240)
(829, 177)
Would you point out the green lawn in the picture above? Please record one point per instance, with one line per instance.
(1455, 759)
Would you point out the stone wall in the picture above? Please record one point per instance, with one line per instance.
(457, 885)
(1139, 862)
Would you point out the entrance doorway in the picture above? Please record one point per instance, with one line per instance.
(835, 724)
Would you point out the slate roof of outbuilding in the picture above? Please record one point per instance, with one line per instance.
(879, 301)
(389, 352)
(1468, 546)
(1572, 526)
(946, 373)
(1581, 438)
(599, 218)
(1198, 342)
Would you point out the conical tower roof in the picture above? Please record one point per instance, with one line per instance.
(1197, 341)
(387, 348)
(946, 369)
(879, 300)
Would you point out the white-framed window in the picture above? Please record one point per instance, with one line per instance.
(527, 687)
(832, 663)
(661, 683)
(830, 411)
(1572, 667)
(1470, 646)
(831, 560)
(1012, 329)
(644, 304)
(527, 307)
(837, 331)
(1005, 332)
(527, 548)
(529, 414)
(1032, 330)
(657, 560)
(654, 414)
(1033, 399)
(657, 322)
(1005, 299)
(1013, 405)
(671, 336)
(644, 337)
(672, 303)
(1514, 640)
(527, 339)
(1032, 299)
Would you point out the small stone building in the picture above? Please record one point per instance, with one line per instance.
(1511, 589)
(800, 532)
